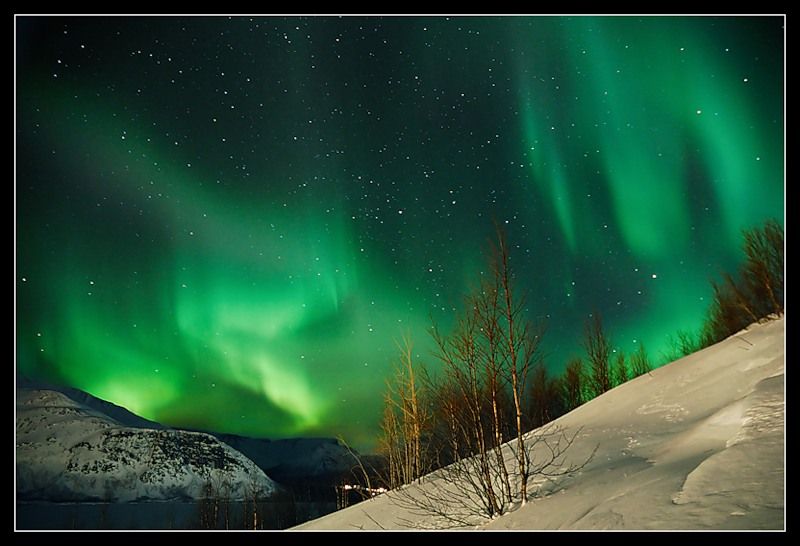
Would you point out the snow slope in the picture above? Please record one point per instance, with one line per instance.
(67, 451)
(696, 444)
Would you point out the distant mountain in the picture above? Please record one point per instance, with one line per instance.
(284, 460)
(294, 459)
(69, 451)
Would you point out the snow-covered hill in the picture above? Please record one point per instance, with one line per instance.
(67, 451)
(696, 444)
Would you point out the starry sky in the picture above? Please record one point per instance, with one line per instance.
(228, 223)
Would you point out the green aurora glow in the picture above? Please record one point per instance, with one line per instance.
(226, 224)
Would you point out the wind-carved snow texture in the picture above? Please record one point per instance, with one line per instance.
(723, 485)
(696, 444)
(69, 452)
(669, 412)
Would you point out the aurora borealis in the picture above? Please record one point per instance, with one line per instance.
(226, 223)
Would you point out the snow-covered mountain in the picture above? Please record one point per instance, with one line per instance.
(696, 444)
(287, 458)
(67, 451)
(119, 414)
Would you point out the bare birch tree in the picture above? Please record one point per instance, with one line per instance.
(405, 420)
(640, 364)
(762, 272)
(521, 351)
(621, 374)
(481, 400)
(573, 384)
(598, 351)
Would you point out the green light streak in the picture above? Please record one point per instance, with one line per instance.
(161, 275)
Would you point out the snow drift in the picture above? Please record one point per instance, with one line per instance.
(67, 451)
(696, 444)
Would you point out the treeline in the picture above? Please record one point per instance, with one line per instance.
(754, 293)
(493, 387)
(756, 290)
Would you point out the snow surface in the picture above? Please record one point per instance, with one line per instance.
(67, 451)
(695, 444)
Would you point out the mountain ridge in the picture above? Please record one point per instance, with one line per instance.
(281, 459)
(67, 451)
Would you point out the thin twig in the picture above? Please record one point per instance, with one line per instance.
(373, 520)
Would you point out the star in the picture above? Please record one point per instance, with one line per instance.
(306, 177)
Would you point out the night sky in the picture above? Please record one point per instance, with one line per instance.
(227, 223)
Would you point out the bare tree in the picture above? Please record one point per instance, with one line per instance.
(363, 473)
(545, 398)
(224, 489)
(682, 344)
(640, 364)
(206, 506)
(573, 384)
(621, 374)
(479, 467)
(598, 351)
(481, 404)
(741, 299)
(405, 420)
(390, 441)
(251, 514)
(762, 272)
(725, 315)
(756, 292)
(456, 494)
(521, 351)
(415, 415)
(445, 440)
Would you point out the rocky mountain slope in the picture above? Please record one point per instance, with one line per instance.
(294, 458)
(67, 451)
